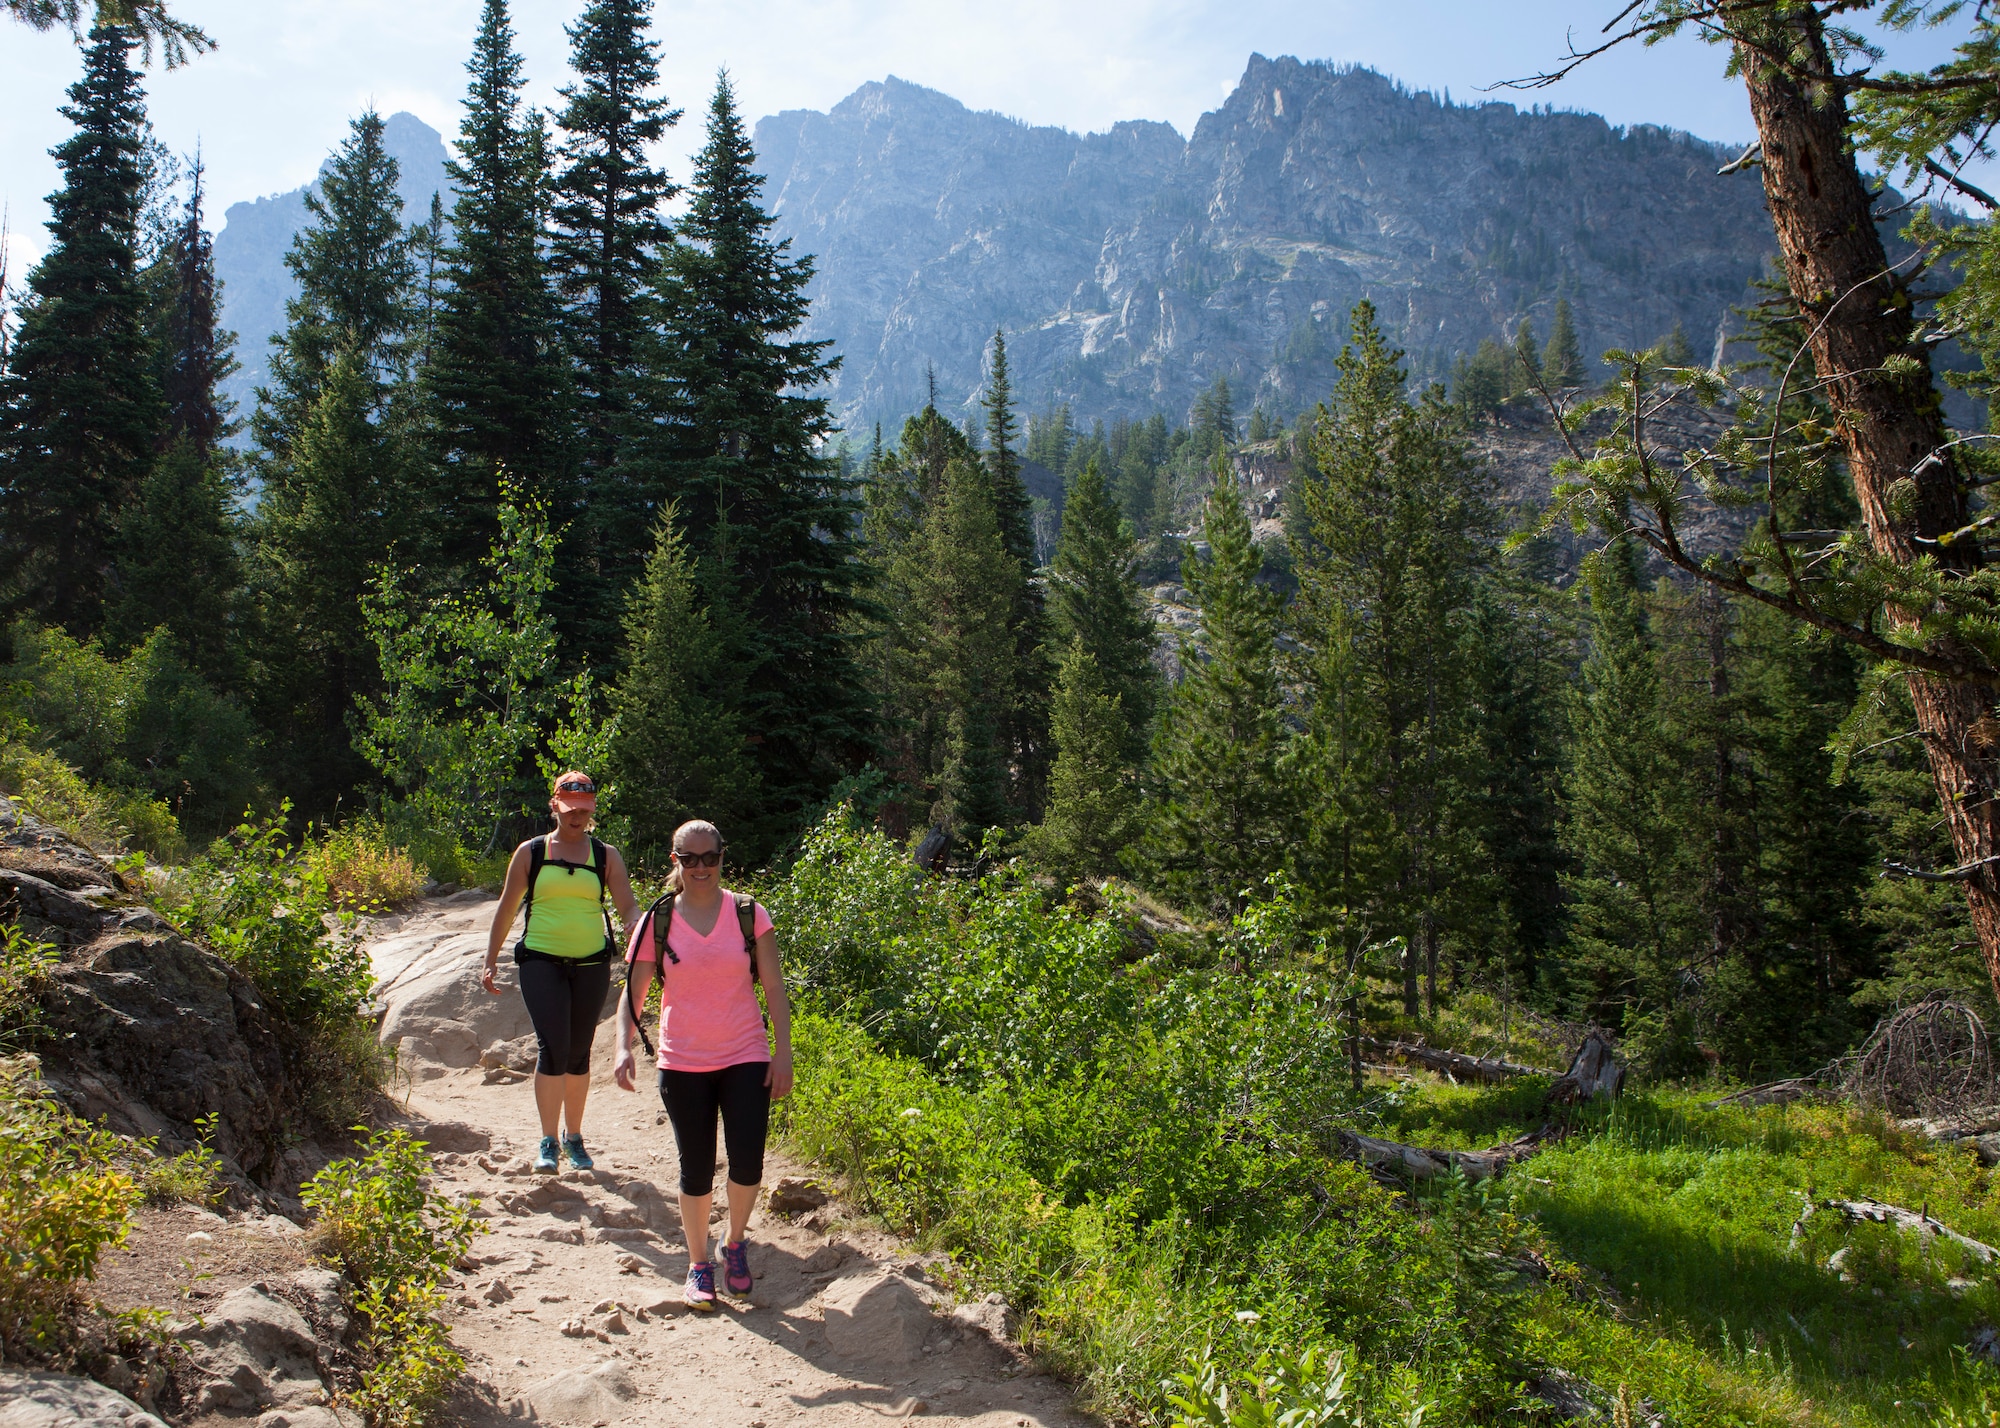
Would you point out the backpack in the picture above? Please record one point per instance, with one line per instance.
(746, 918)
(538, 858)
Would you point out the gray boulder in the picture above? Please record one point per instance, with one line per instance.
(59, 1400)
(586, 1395)
(254, 1351)
(876, 1315)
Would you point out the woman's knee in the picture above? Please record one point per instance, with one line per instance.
(553, 1058)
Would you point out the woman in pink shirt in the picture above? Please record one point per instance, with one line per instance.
(715, 1053)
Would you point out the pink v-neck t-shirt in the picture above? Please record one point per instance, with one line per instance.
(710, 1018)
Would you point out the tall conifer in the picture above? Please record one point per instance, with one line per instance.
(742, 449)
(1219, 821)
(356, 276)
(607, 227)
(82, 410)
(1562, 362)
(1026, 730)
(1096, 603)
(196, 355)
(334, 452)
(497, 376)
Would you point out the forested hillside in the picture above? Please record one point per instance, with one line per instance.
(1148, 782)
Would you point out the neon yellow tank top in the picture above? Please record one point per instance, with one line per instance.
(567, 916)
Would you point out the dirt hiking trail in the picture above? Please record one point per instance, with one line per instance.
(572, 1313)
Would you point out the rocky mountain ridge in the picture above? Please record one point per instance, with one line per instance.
(1131, 268)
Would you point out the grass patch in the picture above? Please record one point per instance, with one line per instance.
(105, 820)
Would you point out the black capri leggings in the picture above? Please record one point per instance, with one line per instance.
(565, 999)
(693, 1098)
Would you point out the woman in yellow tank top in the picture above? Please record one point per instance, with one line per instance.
(564, 956)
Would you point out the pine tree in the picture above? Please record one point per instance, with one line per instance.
(950, 659)
(1096, 604)
(1400, 530)
(179, 562)
(355, 273)
(607, 229)
(320, 536)
(334, 454)
(82, 411)
(196, 356)
(757, 493)
(1219, 822)
(1026, 731)
(1527, 357)
(681, 750)
(1213, 418)
(497, 377)
(1674, 348)
(1094, 802)
(1562, 363)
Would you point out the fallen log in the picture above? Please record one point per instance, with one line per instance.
(1880, 1213)
(1771, 1093)
(1455, 1064)
(1417, 1163)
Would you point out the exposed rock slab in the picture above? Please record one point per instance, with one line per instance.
(876, 1315)
(59, 1400)
(255, 1351)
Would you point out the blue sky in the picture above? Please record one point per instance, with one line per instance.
(267, 106)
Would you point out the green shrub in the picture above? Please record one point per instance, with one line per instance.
(378, 1217)
(411, 1362)
(145, 725)
(193, 1177)
(104, 820)
(364, 871)
(265, 905)
(1283, 1391)
(63, 1201)
(24, 976)
(396, 1239)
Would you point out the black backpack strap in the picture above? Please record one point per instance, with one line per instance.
(746, 918)
(660, 945)
(600, 863)
(538, 855)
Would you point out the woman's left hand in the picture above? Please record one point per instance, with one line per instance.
(779, 1076)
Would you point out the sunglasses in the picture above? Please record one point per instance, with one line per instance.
(697, 860)
(576, 785)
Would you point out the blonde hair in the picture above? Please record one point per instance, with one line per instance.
(692, 826)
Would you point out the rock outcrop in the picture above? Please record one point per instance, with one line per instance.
(60, 1400)
(149, 1031)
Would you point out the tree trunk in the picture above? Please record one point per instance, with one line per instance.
(1857, 315)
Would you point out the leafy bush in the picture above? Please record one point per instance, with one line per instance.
(193, 1177)
(267, 907)
(104, 820)
(364, 871)
(1282, 1391)
(63, 1201)
(413, 1365)
(380, 1220)
(24, 975)
(396, 1239)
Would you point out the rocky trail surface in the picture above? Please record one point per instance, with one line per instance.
(571, 1312)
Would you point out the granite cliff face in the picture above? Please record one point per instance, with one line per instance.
(1130, 268)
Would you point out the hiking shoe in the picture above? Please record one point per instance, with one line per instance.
(736, 1267)
(700, 1291)
(578, 1156)
(545, 1158)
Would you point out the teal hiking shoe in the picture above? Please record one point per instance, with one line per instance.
(545, 1158)
(579, 1158)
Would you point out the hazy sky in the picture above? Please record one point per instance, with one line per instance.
(276, 96)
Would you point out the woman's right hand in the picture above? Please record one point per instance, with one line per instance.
(486, 976)
(622, 1070)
